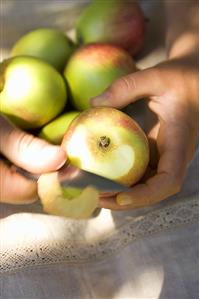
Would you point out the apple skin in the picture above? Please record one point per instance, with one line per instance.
(32, 91)
(54, 131)
(113, 21)
(92, 68)
(66, 202)
(51, 45)
(107, 142)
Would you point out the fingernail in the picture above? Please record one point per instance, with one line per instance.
(100, 101)
(61, 164)
(123, 199)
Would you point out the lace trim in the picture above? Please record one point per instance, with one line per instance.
(58, 252)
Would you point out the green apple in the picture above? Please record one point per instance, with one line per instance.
(67, 202)
(55, 130)
(118, 22)
(92, 68)
(48, 44)
(32, 92)
(108, 142)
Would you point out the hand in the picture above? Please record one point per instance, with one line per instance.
(28, 152)
(173, 88)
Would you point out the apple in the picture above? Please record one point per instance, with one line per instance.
(32, 92)
(54, 131)
(113, 21)
(48, 44)
(104, 141)
(107, 142)
(68, 202)
(92, 68)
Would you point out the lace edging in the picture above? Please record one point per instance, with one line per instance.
(56, 252)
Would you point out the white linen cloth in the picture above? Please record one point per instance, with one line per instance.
(141, 254)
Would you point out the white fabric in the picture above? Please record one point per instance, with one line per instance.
(141, 254)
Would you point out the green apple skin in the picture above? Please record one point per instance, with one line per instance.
(67, 202)
(32, 91)
(108, 142)
(92, 68)
(54, 131)
(50, 45)
(113, 21)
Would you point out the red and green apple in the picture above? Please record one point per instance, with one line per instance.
(104, 141)
(118, 22)
(92, 68)
(108, 142)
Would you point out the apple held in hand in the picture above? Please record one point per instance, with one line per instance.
(101, 140)
(51, 45)
(118, 22)
(32, 92)
(107, 142)
(55, 130)
(92, 68)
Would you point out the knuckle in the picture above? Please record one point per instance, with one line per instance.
(24, 141)
(129, 82)
(125, 83)
(16, 142)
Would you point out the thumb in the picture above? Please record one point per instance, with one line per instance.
(27, 151)
(130, 88)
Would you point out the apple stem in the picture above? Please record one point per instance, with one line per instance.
(104, 141)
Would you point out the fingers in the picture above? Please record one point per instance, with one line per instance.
(160, 187)
(27, 151)
(131, 88)
(14, 188)
(156, 189)
(173, 147)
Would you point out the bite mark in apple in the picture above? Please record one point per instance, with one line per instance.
(98, 160)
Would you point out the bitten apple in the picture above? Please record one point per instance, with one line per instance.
(109, 143)
(92, 68)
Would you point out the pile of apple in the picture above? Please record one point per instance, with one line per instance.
(46, 85)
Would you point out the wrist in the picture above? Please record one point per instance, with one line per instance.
(182, 27)
(187, 44)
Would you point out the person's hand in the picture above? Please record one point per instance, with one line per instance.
(173, 88)
(28, 152)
